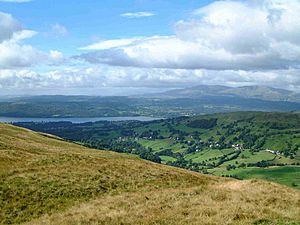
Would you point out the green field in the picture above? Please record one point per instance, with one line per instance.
(288, 175)
(212, 144)
(167, 159)
(159, 145)
(207, 154)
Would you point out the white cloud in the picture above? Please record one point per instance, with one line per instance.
(59, 30)
(14, 53)
(56, 56)
(16, 1)
(8, 26)
(22, 35)
(74, 79)
(225, 35)
(137, 14)
(102, 45)
(226, 43)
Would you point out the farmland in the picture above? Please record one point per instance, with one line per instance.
(217, 144)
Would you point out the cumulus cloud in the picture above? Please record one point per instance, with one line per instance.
(230, 43)
(91, 78)
(14, 55)
(8, 26)
(133, 15)
(225, 35)
(97, 77)
(13, 52)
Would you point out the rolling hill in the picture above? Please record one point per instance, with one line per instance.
(45, 180)
(256, 92)
(196, 100)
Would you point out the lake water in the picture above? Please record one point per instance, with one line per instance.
(76, 119)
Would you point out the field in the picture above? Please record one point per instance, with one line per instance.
(159, 145)
(217, 144)
(287, 175)
(45, 180)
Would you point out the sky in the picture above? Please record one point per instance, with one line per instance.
(123, 47)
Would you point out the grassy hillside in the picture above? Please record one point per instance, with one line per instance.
(238, 144)
(44, 180)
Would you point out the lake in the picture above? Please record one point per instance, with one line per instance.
(76, 119)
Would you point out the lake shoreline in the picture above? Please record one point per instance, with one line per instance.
(76, 119)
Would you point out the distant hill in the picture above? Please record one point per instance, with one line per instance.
(45, 180)
(181, 102)
(257, 92)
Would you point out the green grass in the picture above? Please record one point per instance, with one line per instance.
(162, 144)
(284, 160)
(205, 155)
(165, 158)
(288, 175)
(277, 142)
(253, 158)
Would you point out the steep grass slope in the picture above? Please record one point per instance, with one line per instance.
(44, 180)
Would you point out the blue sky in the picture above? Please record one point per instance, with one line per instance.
(111, 47)
(90, 20)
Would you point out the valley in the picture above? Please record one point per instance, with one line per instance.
(45, 180)
(140, 112)
(242, 145)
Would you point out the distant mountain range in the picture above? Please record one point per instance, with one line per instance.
(196, 100)
(257, 92)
